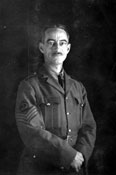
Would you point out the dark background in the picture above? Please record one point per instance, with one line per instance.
(92, 60)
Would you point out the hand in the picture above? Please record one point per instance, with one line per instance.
(77, 162)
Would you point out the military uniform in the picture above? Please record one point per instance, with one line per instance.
(53, 123)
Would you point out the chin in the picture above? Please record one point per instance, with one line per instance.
(59, 59)
(59, 62)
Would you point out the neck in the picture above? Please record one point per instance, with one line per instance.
(54, 68)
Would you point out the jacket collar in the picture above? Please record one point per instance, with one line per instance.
(68, 83)
(45, 76)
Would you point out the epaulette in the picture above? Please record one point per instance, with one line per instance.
(30, 76)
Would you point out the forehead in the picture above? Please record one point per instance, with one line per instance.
(55, 34)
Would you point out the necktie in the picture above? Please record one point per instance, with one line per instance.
(61, 80)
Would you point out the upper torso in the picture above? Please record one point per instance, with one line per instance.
(61, 108)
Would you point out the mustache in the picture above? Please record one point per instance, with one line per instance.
(57, 53)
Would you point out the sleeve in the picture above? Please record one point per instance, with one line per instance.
(32, 129)
(87, 133)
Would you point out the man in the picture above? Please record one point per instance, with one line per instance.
(53, 115)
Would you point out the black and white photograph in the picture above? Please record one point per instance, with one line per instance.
(57, 87)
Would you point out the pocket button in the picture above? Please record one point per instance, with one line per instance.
(48, 104)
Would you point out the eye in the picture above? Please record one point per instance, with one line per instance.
(63, 43)
(50, 43)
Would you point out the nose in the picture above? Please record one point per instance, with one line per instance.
(57, 46)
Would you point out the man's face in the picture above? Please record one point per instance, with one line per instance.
(55, 46)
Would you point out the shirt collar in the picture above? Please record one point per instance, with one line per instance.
(54, 74)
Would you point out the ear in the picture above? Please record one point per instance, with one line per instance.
(68, 48)
(41, 47)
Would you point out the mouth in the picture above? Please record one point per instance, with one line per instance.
(57, 53)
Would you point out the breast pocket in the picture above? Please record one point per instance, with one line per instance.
(78, 111)
(51, 113)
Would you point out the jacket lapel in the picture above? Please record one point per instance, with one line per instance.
(68, 83)
(46, 77)
(55, 84)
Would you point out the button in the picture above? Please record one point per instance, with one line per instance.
(48, 104)
(69, 130)
(34, 156)
(4, 27)
(82, 104)
(62, 168)
(42, 127)
(68, 113)
(66, 98)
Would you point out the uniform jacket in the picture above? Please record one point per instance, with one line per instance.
(53, 124)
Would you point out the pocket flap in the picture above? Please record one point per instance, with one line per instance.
(78, 100)
(53, 100)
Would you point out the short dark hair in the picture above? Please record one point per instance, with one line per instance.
(46, 27)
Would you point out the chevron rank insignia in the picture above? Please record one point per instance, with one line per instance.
(23, 106)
